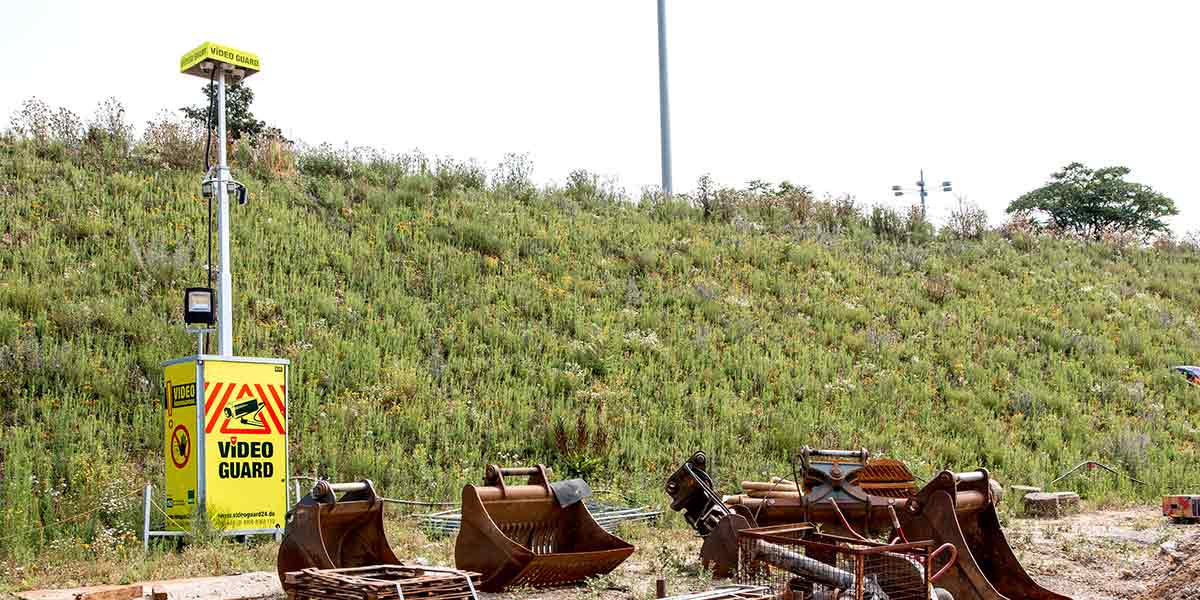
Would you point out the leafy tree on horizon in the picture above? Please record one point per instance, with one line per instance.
(1092, 203)
(239, 121)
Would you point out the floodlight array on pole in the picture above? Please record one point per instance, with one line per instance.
(921, 189)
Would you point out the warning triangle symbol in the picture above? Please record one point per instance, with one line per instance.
(245, 409)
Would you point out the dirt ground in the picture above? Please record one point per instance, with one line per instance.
(1114, 554)
(1126, 554)
(1103, 555)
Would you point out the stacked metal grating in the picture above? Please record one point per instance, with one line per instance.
(382, 582)
(795, 562)
(606, 515)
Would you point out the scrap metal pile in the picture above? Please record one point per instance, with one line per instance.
(953, 518)
(848, 527)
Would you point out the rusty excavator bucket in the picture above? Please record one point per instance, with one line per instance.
(847, 492)
(538, 534)
(327, 532)
(960, 509)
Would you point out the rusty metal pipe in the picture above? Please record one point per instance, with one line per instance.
(513, 492)
(964, 500)
(776, 494)
(798, 564)
(753, 486)
(819, 572)
(518, 471)
(971, 476)
(341, 488)
(781, 508)
(861, 454)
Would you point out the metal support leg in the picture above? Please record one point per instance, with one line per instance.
(146, 517)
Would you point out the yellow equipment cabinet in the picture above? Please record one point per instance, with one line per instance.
(225, 443)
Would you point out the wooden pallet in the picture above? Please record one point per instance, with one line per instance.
(382, 582)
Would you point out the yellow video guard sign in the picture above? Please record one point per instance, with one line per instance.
(190, 63)
(225, 442)
(245, 444)
(179, 406)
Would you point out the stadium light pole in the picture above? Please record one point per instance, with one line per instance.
(664, 113)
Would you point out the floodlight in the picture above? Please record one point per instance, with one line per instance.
(199, 306)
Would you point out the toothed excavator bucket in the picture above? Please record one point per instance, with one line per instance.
(959, 508)
(327, 532)
(538, 534)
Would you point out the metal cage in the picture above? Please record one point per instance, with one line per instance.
(798, 563)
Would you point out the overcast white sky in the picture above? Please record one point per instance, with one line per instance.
(841, 96)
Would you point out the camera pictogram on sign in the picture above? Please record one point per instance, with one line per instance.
(244, 408)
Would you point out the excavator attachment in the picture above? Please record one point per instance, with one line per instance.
(959, 508)
(848, 493)
(327, 532)
(887, 478)
(538, 534)
(691, 491)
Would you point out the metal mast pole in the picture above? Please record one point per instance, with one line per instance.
(921, 187)
(225, 277)
(664, 115)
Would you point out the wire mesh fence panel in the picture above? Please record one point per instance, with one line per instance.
(797, 563)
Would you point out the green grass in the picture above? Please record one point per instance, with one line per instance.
(435, 326)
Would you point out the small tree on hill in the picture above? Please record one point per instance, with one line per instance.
(1093, 203)
(239, 121)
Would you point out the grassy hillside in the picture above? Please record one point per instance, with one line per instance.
(438, 321)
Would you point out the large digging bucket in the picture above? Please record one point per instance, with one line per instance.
(327, 532)
(534, 535)
(959, 508)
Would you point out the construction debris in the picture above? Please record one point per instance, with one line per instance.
(537, 534)
(732, 592)
(382, 582)
(1182, 509)
(796, 561)
(1051, 505)
(954, 508)
(1022, 490)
